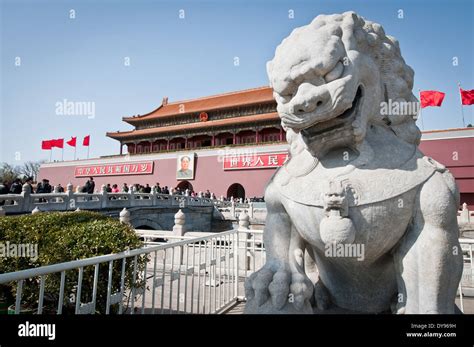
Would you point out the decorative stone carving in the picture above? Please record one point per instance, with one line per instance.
(26, 189)
(179, 220)
(124, 216)
(358, 219)
(464, 218)
(244, 221)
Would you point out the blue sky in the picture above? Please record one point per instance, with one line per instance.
(82, 59)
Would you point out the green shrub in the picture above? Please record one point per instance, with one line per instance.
(63, 237)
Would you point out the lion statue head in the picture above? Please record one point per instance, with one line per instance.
(330, 77)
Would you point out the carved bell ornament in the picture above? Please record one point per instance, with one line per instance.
(336, 227)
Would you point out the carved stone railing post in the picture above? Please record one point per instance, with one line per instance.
(244, 254)
(179, 227)
(154, 196)
(2, 212)
(132, 196)
(70, 200)
(104, 198)
(55, 191)
(244, 221)
(232, 208)
(251, 209)
(124, 216)
(26, 195)
(464, 217)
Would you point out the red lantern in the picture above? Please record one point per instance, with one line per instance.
(203, 117)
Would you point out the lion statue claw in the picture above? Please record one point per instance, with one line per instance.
(359, 220)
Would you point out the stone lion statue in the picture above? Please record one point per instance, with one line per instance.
(359, 220)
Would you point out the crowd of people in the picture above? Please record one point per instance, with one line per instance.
(89, 187)
(44, 187)
(15, 187)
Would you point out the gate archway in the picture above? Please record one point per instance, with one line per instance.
(183, 185)
(236, 190)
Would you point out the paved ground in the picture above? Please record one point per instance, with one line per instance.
(238, 308)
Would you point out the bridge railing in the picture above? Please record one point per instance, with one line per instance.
(465, 216)
(184, 275)
(69, 200)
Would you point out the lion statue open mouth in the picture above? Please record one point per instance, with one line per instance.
(358, 219)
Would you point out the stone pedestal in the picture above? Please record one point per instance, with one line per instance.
(179, 220)
(125, 216)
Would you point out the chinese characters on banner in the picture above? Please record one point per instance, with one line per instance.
(133, 168)
(254, 161)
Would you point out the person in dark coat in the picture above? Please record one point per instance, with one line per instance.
(40, 188)
(3, 189)
(47, 187)
(89, 186)
(43, 187)
(16, 187)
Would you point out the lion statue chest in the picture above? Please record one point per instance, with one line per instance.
(378, 227)
(370, 205)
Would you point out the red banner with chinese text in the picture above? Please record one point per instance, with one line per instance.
(131, 168)
(254, 161)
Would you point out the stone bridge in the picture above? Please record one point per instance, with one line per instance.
(147, 210)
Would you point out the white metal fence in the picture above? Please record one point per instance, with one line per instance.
(183, 275)
(467, 280)
(172, 274)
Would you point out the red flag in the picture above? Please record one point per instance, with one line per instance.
(467, 96)
(57, 143)
(46, 144)
(431, 98)
(86, 140)
(72, 142)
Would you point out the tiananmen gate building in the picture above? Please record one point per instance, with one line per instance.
(228, 143)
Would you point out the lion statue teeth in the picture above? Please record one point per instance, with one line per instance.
(359, 220)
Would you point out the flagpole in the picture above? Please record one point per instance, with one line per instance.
(462, 109)
(421, 115)
(75, 147)
(88, 151)
(62, 154)
(50, 154)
